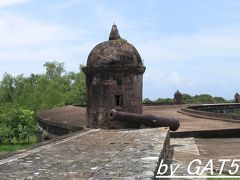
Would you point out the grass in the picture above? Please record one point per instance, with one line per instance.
(121, 40)
(6, 148)
(223, 178)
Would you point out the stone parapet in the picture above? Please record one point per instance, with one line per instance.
(94, 154)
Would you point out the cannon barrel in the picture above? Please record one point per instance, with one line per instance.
(148, 120)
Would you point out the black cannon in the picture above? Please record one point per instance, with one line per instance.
(148, 120)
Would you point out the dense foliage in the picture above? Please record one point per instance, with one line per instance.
(21, 97)
(44, 91)
(16, 124)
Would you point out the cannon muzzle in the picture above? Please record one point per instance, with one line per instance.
(148, 120)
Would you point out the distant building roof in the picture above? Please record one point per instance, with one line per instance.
(236, 95)
(177, 93)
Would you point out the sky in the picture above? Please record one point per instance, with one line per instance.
(189, 45)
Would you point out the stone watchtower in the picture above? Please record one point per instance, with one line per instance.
(114, 75)
(178, 97)
(236, 97)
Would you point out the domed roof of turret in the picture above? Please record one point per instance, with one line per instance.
(236, 95)
(115, 51)
(177, 93)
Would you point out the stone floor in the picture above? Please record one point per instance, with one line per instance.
(182, 152)
(220, 148)
(189, 123)
(185, 150)
(95, 154)
(75, 115)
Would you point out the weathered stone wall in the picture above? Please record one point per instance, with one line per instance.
(62, 120)
(214, 111)
(104, 86)
(94, 154)
(56, 128)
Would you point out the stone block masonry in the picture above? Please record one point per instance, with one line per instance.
(95, 154)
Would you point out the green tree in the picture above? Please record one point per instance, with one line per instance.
(7, 88)
(56, 87)
(16, 123)
(164, 100)
(21, 97)
(147, 101)
(219, 100)
(54, 69)
(186, 98)
(78, 87)
(203, 98)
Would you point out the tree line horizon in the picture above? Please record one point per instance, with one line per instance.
(58, 87)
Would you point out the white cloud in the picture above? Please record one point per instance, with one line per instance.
(7, 3)
(25, 39)
(215, 43)
(194, 63)
(17, 31)
(63, 5)
(162, 78)
(176, 78)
